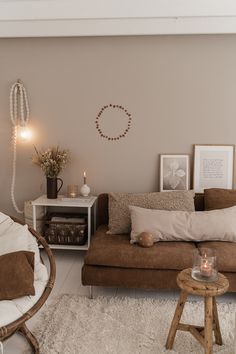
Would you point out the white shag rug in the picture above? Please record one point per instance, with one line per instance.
(78, 325)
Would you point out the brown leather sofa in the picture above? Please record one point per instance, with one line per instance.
(112, 261)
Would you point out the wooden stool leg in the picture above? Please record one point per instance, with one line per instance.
(208, 325)
(176, 319)
(218, 336)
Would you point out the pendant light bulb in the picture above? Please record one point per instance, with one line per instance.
(24, 133)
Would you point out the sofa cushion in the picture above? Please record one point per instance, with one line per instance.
(217, 198)
(17, 275)
(13, 236)
(107, 250)
(225, 254)
(102, 207)
(11, 310)
(173, 225)
(16, 237)
(119, 215)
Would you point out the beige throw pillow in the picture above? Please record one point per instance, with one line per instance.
(184, 226)
(119, 214)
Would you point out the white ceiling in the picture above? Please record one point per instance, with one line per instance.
(32, 18)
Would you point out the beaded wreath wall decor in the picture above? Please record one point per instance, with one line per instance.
(98, 118)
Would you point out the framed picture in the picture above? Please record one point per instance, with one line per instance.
(213, 167)
(174, 172)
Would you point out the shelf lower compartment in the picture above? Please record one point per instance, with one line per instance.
(68, 247)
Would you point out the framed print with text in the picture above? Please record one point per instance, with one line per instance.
(174, 172)
(213, 167)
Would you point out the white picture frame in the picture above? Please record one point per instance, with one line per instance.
(174, 172)
(213, 167)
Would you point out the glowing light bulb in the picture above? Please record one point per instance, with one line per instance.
(24, 133)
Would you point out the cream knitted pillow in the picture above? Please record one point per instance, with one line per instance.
(119, 214)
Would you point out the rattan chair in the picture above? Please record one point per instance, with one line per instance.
(19, 324)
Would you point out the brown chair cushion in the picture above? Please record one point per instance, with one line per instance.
(217, 198)
(16, 275)
(116, 251)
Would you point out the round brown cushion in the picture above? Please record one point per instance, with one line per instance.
(145, 239)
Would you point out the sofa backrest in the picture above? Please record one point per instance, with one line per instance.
(102, 207)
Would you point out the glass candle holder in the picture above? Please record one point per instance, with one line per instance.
(72, 191)
(204, 265)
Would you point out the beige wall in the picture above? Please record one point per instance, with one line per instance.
(180, 90)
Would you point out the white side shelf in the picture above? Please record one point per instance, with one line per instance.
(68, 247)
(88, 203)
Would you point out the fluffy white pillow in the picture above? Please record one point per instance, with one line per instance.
(16, 237)
(184, 226)
(3, 217)
(5, 223)
(13, 237)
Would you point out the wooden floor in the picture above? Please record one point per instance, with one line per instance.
(68, 281)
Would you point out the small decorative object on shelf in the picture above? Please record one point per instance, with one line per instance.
(72, 191)
(52, 161)
(204, 265)
(80, 199)
(52, 187)
(85, 190)
(66, 230)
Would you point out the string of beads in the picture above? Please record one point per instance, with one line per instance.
(99, 129)
(18, 118)
(18, 89)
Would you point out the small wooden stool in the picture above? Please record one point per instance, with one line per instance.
(209, 290)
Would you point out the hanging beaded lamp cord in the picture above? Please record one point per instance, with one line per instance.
(19, 114)
(100, 113)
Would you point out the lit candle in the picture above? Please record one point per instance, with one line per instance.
(84, 177)
(72, 191)
(206, 268)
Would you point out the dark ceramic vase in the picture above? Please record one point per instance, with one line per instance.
(52, 187)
